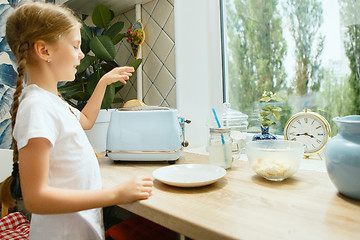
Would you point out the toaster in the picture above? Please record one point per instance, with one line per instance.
(145, 133)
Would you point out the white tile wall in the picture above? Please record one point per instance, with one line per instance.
(159, 73)
(124, 55)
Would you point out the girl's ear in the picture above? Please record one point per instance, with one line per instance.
(41, 49)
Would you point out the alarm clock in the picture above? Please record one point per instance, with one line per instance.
(309, 128)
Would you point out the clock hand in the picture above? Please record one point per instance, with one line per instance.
(305, 134)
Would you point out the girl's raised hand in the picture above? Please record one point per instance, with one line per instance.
(121, 74)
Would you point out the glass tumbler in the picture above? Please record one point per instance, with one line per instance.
(221, 147)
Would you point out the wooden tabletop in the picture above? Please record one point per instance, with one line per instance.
(243, 205)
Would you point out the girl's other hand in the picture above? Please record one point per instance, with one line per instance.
(138, 188)
(121, 74)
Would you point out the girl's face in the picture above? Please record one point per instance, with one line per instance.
(66, 56)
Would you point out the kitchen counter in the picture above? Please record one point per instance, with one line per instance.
(243, 205)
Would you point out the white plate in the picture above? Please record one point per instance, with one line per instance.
(189, 175)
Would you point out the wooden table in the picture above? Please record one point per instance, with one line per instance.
(243, 205)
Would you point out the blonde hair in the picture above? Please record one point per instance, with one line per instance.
(28, 23)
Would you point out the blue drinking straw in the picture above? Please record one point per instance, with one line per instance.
(219, 125)
(222, 137)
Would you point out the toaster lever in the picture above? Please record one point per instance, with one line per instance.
(182, 124)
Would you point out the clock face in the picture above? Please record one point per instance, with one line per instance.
(308, 129)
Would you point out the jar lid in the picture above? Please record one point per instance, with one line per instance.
(232, 118)
(219, 130)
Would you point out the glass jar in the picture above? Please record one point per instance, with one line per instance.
(220, 147)
(237, 122)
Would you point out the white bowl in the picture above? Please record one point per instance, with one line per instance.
(275, 160)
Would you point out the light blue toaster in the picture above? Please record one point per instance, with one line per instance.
(145, 134)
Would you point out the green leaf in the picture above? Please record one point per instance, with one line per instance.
(114, 29)
(70, 87)
(267, 107)
(265, 99)
(108, 66)
(93, 81)
(118, 100)
(85, 46)
(118, 38)
(276, 99)
(135, 64)
(112, 14)
(85, 38)
(79, 96)
(276, 115)
(71, 103)
(85, 63)
(118, 84)
(264, 123)
(276, 109)
(79, 77)
(264, 114)
(103, 47)
(108, 97)
(101, 16)
(85, 32)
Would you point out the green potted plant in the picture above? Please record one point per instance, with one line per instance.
(269, 115)
(98, 45)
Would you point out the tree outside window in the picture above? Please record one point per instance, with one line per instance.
(306, 51)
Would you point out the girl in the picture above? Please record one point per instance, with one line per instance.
(59, 173)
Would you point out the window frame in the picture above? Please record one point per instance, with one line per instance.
(199, 65)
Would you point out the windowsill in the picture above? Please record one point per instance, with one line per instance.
(314, 163)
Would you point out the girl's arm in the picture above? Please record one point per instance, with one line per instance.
(91, 109)
(41, 198)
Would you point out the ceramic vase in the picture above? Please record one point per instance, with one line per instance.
(265, 135)
(342, 156)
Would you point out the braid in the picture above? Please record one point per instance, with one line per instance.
(23, 54)
(27, 24)
(13, 180)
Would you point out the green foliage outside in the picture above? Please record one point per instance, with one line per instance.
(341, 97)
(257, 52)
(305, 21)
(257, 49)
(336, 99)
(258, 60)
(350, 15)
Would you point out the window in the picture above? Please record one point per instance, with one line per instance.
(305, 51)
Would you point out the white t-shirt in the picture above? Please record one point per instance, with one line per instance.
(72, 162)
